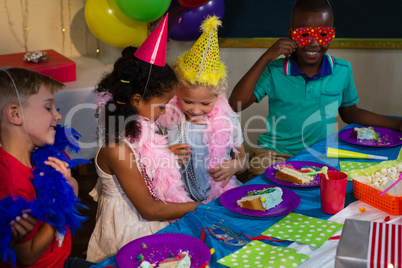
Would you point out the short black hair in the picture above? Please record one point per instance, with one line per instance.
(322, 6)
(312, 6)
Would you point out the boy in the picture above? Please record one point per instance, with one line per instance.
(28, 118)
(305, 89)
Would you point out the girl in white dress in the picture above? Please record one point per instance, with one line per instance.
(139, 187)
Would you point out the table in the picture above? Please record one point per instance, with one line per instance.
(76, 103)
(211, 213)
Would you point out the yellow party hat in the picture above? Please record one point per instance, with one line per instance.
(202, 64)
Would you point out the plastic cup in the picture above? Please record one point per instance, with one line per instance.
(333, 191)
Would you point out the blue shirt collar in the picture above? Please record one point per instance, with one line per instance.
(291, 68)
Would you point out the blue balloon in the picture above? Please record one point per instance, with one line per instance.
(185, 23)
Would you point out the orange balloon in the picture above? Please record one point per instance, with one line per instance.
(110, 25)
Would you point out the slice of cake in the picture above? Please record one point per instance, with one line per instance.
(182, 260)
(365, 133)
(262, 199)
(290, 174)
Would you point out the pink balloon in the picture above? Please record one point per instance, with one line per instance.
(192, 3)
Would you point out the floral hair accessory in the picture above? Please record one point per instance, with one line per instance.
(101, 98)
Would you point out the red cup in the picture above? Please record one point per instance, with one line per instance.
(333, 191)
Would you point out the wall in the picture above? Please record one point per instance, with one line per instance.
(38, 24)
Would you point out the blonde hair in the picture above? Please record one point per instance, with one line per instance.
(27, 83)
(220, 88)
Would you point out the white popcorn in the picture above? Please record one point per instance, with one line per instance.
(384, 172)
(399, 168)
(377, 175)
(393, 175)
(381, 181)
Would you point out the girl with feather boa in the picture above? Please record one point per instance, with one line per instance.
(203, 130)
(139, 189)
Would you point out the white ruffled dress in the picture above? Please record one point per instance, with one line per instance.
(117, 220)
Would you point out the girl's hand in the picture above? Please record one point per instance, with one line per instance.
(225, 171)
(22, 226)
(62, 167)
(182, 152)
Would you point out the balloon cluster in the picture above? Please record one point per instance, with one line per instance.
(124, 23)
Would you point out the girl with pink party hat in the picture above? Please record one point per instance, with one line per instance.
(139, 188)
(203, 129)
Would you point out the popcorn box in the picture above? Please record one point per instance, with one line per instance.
(388, 203)
(58, 66)
(369, 244)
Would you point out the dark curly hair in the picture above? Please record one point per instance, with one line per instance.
(130, 75)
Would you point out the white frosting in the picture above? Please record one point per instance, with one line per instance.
(146, 264)
(185, 262)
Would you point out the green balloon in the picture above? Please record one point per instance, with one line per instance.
(143, 10)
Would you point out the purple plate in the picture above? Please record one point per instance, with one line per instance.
(388, 138)
(160, 247)
(271, 171)
(229, 200)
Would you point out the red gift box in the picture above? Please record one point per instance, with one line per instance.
(58, 67)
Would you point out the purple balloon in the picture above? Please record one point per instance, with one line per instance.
(185, 23)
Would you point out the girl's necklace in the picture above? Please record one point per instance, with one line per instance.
(188, 169)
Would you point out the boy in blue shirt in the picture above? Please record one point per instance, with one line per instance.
(306, 89)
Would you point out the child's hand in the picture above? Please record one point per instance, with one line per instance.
(62, 167)
(224, 171)
(284, 46)
(22, 226)
(181, 151)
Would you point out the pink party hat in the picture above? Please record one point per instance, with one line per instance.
(153, 50)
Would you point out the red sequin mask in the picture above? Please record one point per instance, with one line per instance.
(304, 35)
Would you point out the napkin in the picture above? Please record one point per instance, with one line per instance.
(377, 167)
(350, 166)
(259, 254)
(303, 229)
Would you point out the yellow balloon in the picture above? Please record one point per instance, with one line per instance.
(111, 26)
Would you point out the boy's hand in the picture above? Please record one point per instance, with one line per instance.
(224, 171)
(22, 226)
(181, 151)
(62, 167)
(284, 46)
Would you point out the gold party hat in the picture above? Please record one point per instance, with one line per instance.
(202, 64)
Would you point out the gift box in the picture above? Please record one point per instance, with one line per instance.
(57, 66)
(369, 244)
